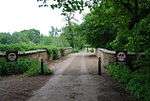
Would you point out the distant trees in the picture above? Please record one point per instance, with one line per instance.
(5, 38)
(33, 36)
(54, 31)
(74, 35)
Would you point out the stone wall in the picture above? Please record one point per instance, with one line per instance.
(108, 56)
(37, 54)
(33, 54)
(67, 50)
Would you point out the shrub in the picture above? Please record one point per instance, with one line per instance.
(119, 72)
(7, 68)
(36, 69)
(26, 66)
(136, 85)
(136, 82)
(55, 53)
(139, 84)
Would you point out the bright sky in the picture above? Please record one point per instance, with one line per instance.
(17, 15)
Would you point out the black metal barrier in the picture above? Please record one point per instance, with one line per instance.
(42, 66)
(99, 66)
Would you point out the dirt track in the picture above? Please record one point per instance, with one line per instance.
(20, 87)
(76, 79)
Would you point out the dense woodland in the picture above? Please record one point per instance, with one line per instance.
(111, 24)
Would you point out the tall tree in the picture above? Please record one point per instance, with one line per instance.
(138, 9)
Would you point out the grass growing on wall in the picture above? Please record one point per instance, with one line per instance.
(136, 82)
(25, 66)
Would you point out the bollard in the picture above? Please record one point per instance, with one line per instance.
(99, 66)
(42, 66)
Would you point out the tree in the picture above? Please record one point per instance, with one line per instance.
(137, 9)
(54, 31)
(119, 17)
(5, 38)
(74, 36)
(69, 5)
(101, 25)
(45, 40)
(31, 35)
(18, 37)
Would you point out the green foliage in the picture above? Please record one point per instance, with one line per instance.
(139, 39)
(52, 50)
(101, 25)
(5, 38)
(26, 66)
(33, 35)
(136, 85)
(74, 36)
(136, 9)
(69, 5)
(139, 84)
(119, 72)
(54, 39)
(136, 82)
(36, 69)
(120, 42)
(55, 53)
(126, 21)
(26, 36)
(20, 40)
(17, 46)
(45, 40)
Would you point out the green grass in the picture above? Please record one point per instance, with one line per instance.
(136, 82)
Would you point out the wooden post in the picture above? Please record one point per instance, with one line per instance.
(99, 66)
(42, 66)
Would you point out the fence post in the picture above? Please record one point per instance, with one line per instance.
(42, 66)
(99, 66)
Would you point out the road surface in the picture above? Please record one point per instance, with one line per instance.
(76, 79)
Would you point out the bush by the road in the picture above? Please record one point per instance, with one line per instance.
(25, 66)
(136, 82)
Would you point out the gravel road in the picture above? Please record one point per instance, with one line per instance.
(76, 79)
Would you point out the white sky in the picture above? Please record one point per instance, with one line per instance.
(17, 15)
